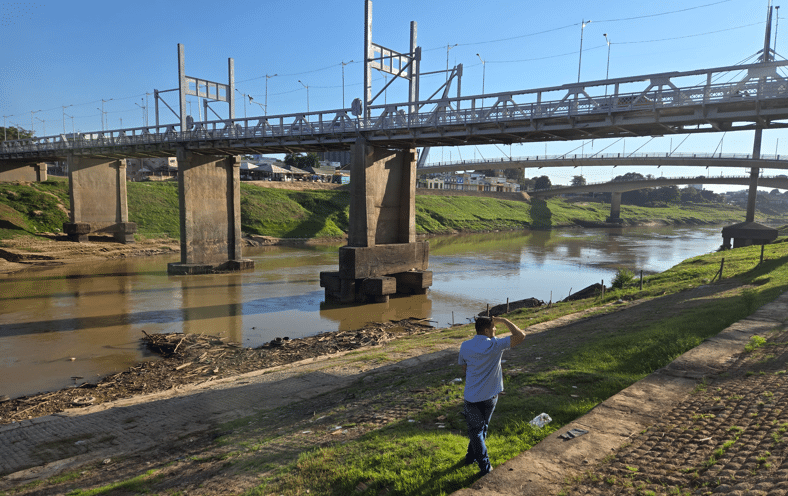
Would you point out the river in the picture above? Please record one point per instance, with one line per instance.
(86, 320)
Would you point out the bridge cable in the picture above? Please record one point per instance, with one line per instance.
(719, 145)
(605, 148)
(641, 146)
(677, 146)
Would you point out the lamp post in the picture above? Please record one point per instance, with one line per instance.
(484, 70)
(45, 125)
(267, 77)
(64, 117)
(580, 60)
(448, 47)
(244, 99)
(144, 113)
(102, 117)
(5, 128)
(102, 112)
(251, 100)
(73, 134)
(307, 95)
(32, 125)
(343, 81)
(607, 73)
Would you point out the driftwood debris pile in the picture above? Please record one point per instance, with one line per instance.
(198, 358)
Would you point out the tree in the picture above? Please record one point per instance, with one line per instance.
(302, 161)
(542, 182)
(13, 133)
(629, 176)
(578, 181)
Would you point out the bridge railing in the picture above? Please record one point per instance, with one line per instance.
(525, 105)
(602, 156)
(684, 179)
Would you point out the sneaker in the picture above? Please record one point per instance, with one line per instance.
(482, 473)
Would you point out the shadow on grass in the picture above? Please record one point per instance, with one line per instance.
(541, 216)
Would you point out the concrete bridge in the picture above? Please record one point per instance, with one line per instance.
(739, 160)
(382, 256)
(616, 188)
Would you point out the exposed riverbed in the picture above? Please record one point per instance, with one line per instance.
(95, 313)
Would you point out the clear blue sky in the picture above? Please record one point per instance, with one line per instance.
(77, 53)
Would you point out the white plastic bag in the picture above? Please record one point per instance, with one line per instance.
(541, 420)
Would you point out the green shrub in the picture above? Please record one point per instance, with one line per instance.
(623, 278)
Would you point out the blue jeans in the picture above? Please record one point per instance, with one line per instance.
(478, 416)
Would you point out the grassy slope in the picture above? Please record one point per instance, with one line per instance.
(411, 458)
(307, 214)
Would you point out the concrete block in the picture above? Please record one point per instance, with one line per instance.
(381, 260)
(379, 286)
(77, 231)
(188, 269)
(413, 281)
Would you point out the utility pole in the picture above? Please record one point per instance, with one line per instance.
(756, 145)
(580, 60)
(267, 77)
(343, 81)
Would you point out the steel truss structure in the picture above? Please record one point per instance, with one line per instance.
(648, 105)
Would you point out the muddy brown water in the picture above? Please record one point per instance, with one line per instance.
(76, 323)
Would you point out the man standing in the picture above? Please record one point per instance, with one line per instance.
(480, 358)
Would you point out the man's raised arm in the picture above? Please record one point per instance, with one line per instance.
(517, 334)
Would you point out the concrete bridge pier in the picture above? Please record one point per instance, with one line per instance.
(34, 173)
(209, 190)
(382, 256)
(615, 208)
(97, 188)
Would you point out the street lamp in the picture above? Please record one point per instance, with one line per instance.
(45, 125)
(267, 77)
(307, 95)
(144, 113)
(265, 110)
(484, 70)
(32, 125)
(343, 81)
(607, 73)
(244, 99)
(73, 134)
(64, 117)
(580, 60)
(448, 47)
(5, 128)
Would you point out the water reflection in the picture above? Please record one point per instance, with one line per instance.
(96, 313)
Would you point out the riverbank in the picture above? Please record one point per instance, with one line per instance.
(32, 214)
(384, 420)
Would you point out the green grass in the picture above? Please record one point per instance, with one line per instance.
(33, 208)
(411, 458)
(131, 486)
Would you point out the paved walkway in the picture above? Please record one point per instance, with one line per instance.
(37, 448)
(701, 425)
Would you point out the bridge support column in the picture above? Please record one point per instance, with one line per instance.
(209, 190)
(23, 172)
(97, 187)
(615, 208)
(382, 256)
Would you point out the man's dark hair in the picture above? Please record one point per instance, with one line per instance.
(482, 324)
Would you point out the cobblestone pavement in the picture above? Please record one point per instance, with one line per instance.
(729, 436)
(714, 421)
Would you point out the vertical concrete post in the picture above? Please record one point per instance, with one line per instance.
(97, 189)
(209, 190)
(615, 208)
(382, 256)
